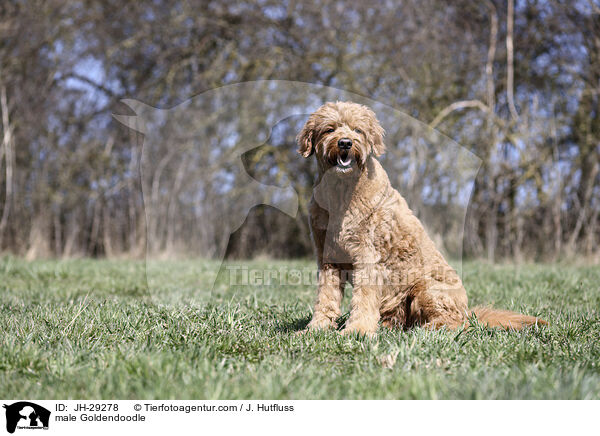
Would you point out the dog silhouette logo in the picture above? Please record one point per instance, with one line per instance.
(26, 415)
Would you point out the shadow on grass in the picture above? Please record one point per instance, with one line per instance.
(294, 325)
(299, 324)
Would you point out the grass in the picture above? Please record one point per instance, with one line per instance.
(91, 329)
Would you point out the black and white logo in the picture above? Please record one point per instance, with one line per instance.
(26, 415)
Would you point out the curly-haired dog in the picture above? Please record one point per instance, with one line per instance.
(365, 233)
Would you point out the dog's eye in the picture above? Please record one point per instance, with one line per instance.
(329, 130)
(358, 131)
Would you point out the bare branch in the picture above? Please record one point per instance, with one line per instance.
(89, 81)
(489, 67)
(7, 145)
(510, 92)
(457, 106)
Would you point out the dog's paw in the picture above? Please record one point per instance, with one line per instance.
(321, 324)
(359, 330)
(316, 327)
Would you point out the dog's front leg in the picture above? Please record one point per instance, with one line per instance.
(364, 315)
(329, 298)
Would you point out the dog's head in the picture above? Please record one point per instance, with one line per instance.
(342, 135)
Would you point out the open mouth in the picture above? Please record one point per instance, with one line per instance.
(344, 160)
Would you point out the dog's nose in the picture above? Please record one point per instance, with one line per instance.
(345, 143)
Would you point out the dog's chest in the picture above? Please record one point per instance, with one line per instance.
(350, 222)
(348, 241)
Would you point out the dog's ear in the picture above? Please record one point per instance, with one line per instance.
(376, 133)
(305, 138)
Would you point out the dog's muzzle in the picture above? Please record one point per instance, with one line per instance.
(344, 159)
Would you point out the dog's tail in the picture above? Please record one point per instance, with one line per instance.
(504, 318)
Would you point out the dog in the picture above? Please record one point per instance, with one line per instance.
(364, 233)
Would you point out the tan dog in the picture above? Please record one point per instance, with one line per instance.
(365, 233)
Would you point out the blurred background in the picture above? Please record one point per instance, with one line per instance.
(515, 82)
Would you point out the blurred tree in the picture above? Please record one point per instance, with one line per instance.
(517, 82)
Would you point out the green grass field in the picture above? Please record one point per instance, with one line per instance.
(91, 329)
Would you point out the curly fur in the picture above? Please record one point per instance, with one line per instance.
(364, 233)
